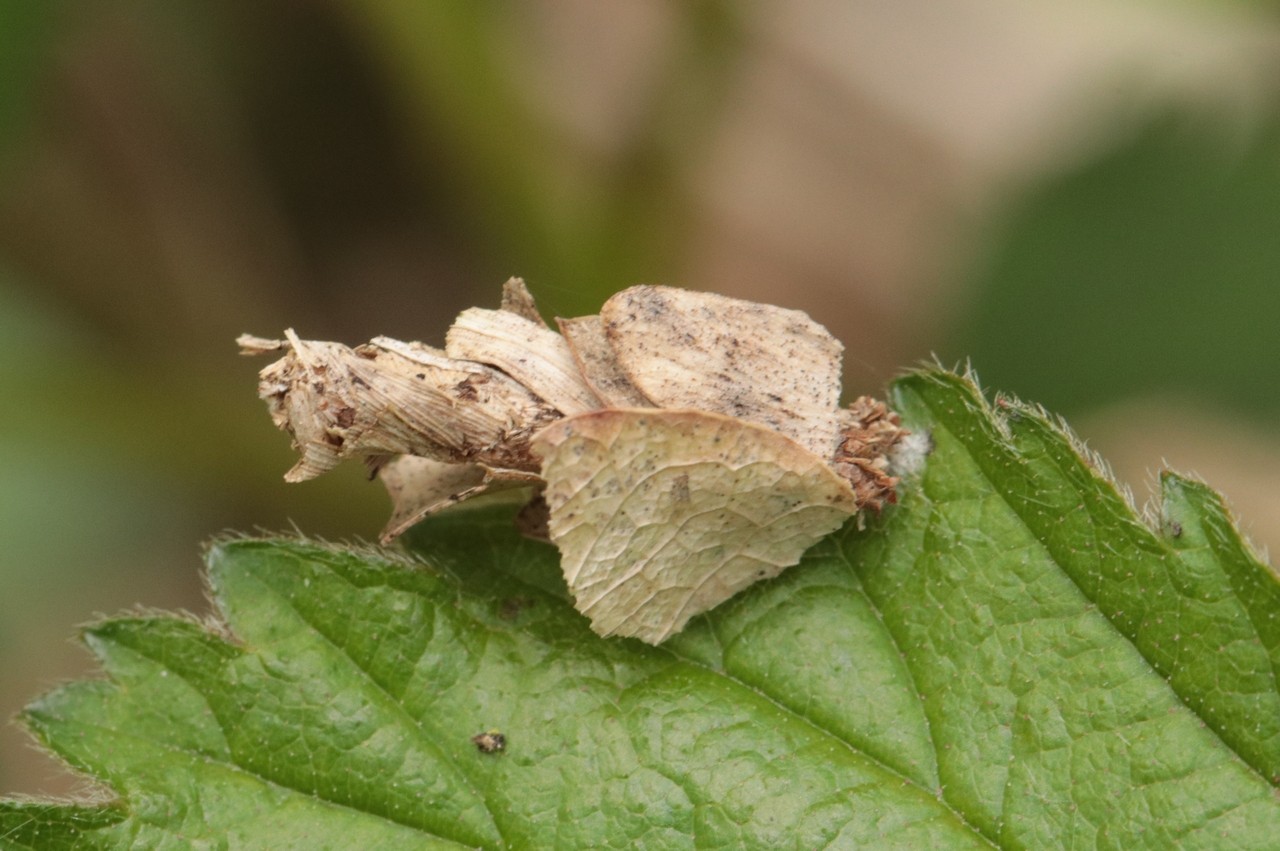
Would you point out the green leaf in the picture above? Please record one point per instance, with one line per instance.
(1009, 658)
(1175, 223)
(27, 32)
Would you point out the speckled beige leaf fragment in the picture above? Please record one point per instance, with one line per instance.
(532, 354)
(663, 514)
(598, 365)
(420, 487)
(757, 362)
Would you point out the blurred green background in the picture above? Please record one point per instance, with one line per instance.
(1083, 199)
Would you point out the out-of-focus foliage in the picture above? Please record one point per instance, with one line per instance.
(1152, 269)
(25, 31)
(586, 231)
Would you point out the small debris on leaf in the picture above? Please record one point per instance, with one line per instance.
(680, 446)
(490, 741)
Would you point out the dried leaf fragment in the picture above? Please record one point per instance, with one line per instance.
(517, 299)
(661, 515)
(681, 446)
(763, 364)
(391, 398)
(598, 364)
(253, 346)
(530, 353)
(419, 487)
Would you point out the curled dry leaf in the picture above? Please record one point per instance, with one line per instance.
(661, 515)
(532, 354)
(682, 445)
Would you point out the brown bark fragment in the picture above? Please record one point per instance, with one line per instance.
(869, 433)
(392, 398)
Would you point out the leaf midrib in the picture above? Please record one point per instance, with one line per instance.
(785, 708)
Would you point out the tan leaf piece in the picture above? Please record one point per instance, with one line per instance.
(530, 353)
(517, 299)
(661, 515)
(757, 362)
(598, 364)
(419, 487)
